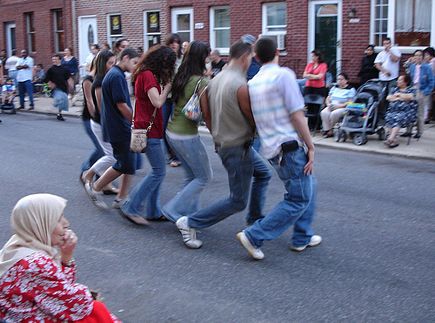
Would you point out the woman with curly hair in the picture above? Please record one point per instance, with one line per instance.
(182, 133)
(152, 80)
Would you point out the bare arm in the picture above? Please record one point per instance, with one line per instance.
(125, 110)
(205, 110)
(299, 122)
(157, 100)
(245, 104)
(87, 90)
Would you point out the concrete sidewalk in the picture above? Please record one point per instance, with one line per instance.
(423, 148)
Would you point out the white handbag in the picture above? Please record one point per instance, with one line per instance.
(138, 141)
(191, 109)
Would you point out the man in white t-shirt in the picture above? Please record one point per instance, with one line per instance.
(95, 48)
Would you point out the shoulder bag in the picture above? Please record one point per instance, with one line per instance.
(138, 141)
(192, 110)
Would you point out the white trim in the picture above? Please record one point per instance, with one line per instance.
(180, 11)
(391, 28)
(80, 35)
(145, 28)
(213, 29)
(8, 27)
(264, 29)
(311, 29)
(55, 12)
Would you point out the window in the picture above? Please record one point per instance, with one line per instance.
(114, 27)
(59, 35)
(182, 23)
(275, 22)
(30, 32)
(407, 22)
(220, 29)
(152, 30)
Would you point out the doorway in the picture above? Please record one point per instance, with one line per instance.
(10, 38)
(325, 21)
(87, 37)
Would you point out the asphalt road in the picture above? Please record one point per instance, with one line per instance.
(376, 215)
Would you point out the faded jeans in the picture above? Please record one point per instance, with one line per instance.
(297, 208)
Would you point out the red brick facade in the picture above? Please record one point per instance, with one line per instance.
(13, 11)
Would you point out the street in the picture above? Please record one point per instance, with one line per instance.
(376, 215)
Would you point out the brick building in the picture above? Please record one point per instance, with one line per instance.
(40, 26)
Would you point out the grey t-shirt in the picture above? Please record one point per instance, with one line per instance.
(229, 126)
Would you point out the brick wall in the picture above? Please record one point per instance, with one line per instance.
(13, 11)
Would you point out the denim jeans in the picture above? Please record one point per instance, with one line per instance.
(239, 162)
(144, 199)
(194, 159)
(24, 87)
(97, 153)
(297, 208)
(167, 108)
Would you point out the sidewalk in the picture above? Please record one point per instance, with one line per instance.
(424, 148)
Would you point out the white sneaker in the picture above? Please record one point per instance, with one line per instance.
(95, 196)
(188, 233)
(314, 241)
(255, 253)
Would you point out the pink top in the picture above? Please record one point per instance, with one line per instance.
(322, 68)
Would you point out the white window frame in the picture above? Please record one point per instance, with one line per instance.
(29, 33)
(112, 38)
(265, 32)
(391, 28)
(145, 28)
(181, 11)
(56, 31)
(213, 29)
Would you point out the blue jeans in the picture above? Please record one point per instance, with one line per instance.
(97, 153)
(167, 108)
(194, 159)
(24, 87)
(144, 199)
(239, 162)
(297, 208)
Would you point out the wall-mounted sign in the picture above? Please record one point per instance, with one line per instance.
(153, 21)
(199, 25)
(115, 25)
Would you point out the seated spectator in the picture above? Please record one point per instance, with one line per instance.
(37, 270)
(8, 92)
(336, 102)
(402, 110)
(38, 78)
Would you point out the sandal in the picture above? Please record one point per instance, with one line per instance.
(161, 218)
(110, 191)
(138, 220)
(175, 163)
(393, 144)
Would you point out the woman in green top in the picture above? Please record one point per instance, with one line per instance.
(182, 133)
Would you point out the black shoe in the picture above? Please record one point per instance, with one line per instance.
(417, 136)
(31, 108)
(60, 117)
(20, 108)
(406, 134)
(426, 121)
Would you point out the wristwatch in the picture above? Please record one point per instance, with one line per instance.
(70, 263)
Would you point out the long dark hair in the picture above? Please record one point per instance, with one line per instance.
(318, 53)
(174, 38)
(160, 60)
(100, 63)
(193, 64)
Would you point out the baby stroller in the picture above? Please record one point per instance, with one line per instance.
(361, 116)
(8, 96)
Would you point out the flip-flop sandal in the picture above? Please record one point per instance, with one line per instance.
(393, 144)
(138, 220)
(111, 191)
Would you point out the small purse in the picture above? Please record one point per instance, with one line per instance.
(192, 110)
(138, 141)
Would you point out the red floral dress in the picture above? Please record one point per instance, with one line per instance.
(37, 289)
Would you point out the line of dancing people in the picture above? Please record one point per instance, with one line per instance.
(271, 106)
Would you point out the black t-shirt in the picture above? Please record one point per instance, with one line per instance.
(217, 67)
(86, 115)
(59, 76)
(98, 81)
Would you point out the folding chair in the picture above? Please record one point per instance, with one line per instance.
(314, 99)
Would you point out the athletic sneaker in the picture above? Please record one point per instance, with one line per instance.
(314, 241)
(255, 253)
(95, 196)
(188, 233)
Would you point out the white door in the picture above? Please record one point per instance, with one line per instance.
(10, 38)
(87, 37)
(325, 23)
(182, 23)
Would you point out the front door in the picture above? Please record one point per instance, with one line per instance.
(325, 33)
(10, 38)
(87, 37)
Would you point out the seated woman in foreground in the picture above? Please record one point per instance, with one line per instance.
(37, 271)
(336, 102)
(402, 110)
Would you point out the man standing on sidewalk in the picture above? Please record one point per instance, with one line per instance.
(57, 78)
(24, 78)
(228, 116)
(278, 109)
(116, 115)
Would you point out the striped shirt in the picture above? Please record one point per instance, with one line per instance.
(274, 95)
